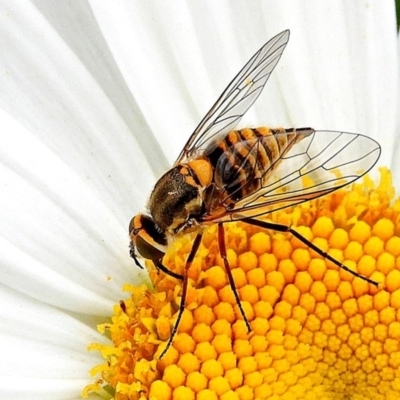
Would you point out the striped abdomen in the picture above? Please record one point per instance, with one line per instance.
(244, 159)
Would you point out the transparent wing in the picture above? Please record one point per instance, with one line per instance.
(317, 164)
(237, 98)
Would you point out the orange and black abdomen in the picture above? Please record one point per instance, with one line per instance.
(243, 160)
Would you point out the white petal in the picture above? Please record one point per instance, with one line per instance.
(396, 147)
(337, 72)
(60, 243)
(51, 90)
(43, 350)
(155, 46)
(341, 66)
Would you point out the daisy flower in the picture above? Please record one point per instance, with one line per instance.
(97, 100)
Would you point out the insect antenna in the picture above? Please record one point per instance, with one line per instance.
(193, 251)
(222, 251)
(284, 228)
(134, 256)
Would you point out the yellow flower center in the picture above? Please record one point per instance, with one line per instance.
(317, 332)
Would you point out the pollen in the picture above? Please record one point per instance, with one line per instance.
(283, 323)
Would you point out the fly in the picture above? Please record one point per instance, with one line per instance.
(224, 175)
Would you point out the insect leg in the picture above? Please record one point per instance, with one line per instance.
(193, 251)
(285, 228)
(160, 266)
(222, 251)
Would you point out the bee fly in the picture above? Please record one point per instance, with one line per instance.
(225, 175)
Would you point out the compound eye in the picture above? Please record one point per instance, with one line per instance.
(149, 241)
(147, 249)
